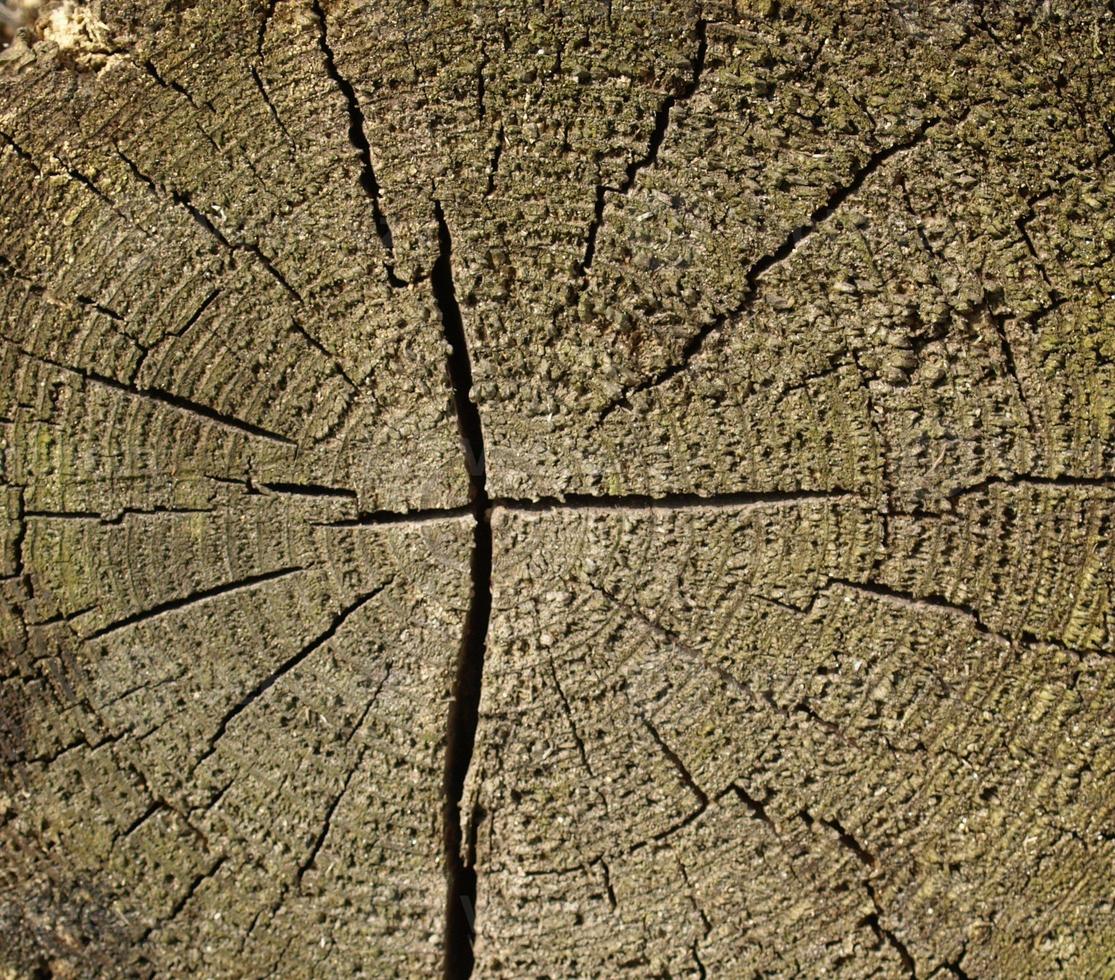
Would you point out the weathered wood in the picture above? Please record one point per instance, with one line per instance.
(560, 490)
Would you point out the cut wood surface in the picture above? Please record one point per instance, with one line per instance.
(562, 489)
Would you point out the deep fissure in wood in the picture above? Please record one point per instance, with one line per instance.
(464, 708)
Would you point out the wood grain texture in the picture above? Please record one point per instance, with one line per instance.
(566, 489)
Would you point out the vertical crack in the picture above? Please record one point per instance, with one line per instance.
(464, 707)
(883, 934)
(359, 139)
(998, 322)
(657, 136)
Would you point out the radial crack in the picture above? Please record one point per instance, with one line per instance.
(676, 761)
(327, 819)
(757, 807)
(359, 139)
(376, 518)
(186, 405)
(158, 395)
(283, 669)
(185, 201)
(183, 900)
(567, 709)
(657, 136)
(695, 657)
(924, 603)
(817, 219)
(310, 490)
(464, 707)
(275, 117)
(874, 921)
(998, 322)
(669, 501)
(112, 517)
(172, 605)
(684, 650)
(1063, 481)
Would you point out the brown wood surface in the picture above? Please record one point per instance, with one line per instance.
(557, 489)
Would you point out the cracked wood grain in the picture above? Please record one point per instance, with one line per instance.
(167, 398)
(359, 140)
(462, 719)
(658, 134)
(174, 605)
(620, 493)
(331, 809)
(754, 273)
(261, 687)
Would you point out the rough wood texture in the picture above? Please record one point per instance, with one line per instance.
(563, 489)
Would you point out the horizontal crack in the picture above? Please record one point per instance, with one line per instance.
(1063, 481)
(114, 517)
(668, 501)
(376, 518)
(927, 602)
(310, 490)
